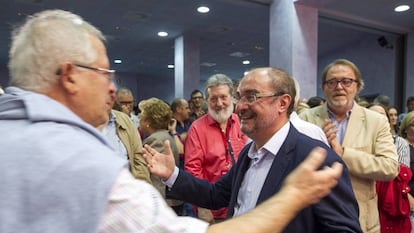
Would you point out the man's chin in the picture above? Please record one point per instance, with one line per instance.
(246, 130)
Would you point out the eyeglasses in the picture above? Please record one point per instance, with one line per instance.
(109, 74)
(345, 82)
(126, 102)
(253, 97)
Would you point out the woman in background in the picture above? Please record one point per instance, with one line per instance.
(153, 121)
(393, 200)
(407, 131)
(393, 117)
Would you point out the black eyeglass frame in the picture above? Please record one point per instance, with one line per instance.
(345, 82)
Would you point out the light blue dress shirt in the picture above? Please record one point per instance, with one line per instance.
(255, 176)
(109, 132)
(341, 126)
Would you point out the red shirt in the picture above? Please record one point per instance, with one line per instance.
(206, 152)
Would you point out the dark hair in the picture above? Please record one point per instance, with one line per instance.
(315, 101)
(410, 99)
(382, 99)
(195, 92)
(176, 103)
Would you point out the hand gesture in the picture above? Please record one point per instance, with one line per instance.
(125, 109)
(172, 125)
(331, 130)
(159, 164)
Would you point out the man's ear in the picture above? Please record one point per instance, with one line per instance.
(68, 78)
(284, 101)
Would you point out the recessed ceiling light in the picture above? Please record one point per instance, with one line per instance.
(246, 62)
(117, 61)
(170, 66)
(402, 8)
(203, 9)
(163, 34)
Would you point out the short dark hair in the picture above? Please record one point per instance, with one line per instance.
(176, 103)
(195, 92)
(410, 99)
(315, 101)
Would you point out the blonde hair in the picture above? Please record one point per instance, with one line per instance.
(405, 123)
(157, 112)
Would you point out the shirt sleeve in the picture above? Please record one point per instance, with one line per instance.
(170, 181)
(135, 206)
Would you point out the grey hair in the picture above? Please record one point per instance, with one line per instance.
(216, 80)
(124, 91)
(282, 82)
(44, 42)
(297, 97)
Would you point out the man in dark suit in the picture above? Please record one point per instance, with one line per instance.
(264, 101)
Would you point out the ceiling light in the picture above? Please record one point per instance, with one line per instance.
(163, 34)
(203, 9)
(170, 66)
(246, 62)
(117, 61)
(245, 73)
(402, 8)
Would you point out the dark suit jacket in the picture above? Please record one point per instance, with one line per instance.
(337, 212)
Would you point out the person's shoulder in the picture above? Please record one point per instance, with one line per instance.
(119, 114)
(123, 119)
(202, 122)
(370, 115)
(306, 144)
(160, 135)
(312, 112)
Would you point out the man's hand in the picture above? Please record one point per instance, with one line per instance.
(172, 125)
(125, 109)
(159, 164)
(330, 130)
(307, 185)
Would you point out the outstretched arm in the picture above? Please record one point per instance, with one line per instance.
(304, 186)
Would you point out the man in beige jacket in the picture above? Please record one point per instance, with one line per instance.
(361, 137)
(123, 136)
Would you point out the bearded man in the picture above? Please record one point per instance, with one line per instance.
(215, 140)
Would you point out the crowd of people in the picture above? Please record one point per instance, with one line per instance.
(245, 157)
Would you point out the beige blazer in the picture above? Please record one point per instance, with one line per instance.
(369, 153)
(128, 133)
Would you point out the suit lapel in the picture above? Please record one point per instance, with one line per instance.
(322, 115)
(279, 168)
(355, 124)
(239, 171)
